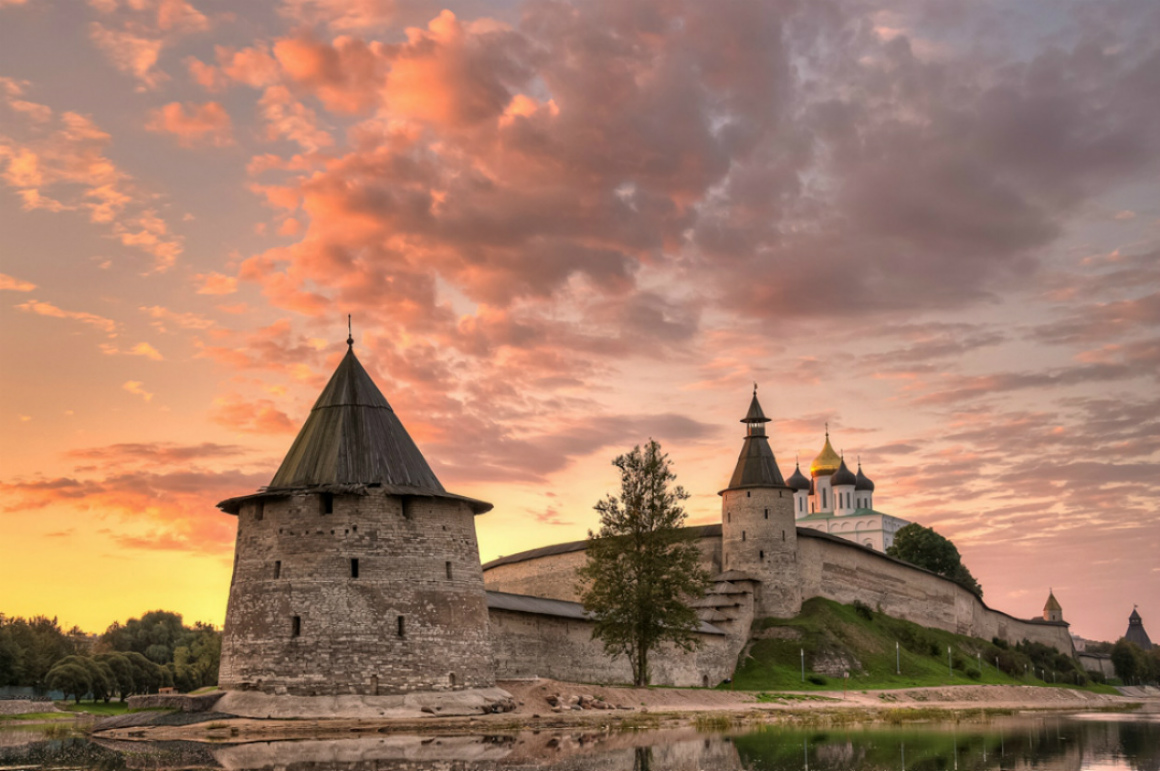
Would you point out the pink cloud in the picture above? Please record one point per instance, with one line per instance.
(193, 124)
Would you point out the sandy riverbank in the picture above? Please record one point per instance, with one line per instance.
(657, 707)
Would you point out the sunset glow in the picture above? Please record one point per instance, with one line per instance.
(562, 229)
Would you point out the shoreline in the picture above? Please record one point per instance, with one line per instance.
(647, 709)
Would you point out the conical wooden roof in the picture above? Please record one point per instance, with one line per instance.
(352, 436)
(756, 466)
(351, 440)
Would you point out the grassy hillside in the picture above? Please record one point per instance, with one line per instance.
(863, 641)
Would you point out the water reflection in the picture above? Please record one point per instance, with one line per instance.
(1072, 743)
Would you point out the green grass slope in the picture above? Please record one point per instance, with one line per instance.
(828, 631)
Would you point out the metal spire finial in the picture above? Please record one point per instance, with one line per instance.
(349, 335)
(827, 429)
(755, 388)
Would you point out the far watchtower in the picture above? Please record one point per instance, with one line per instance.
(759, 535)
(355, 572)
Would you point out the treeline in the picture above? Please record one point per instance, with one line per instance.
(140, 656)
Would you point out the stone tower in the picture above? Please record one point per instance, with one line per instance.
(759, 535)
(1052, 610)
(355, 572)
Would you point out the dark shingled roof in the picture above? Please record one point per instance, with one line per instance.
(353, 439)
(543, 606)
(756, 466)
(755, 415)
(1136, 633)
(863, 482)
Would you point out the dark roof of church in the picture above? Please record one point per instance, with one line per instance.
(798, 480)
(1052, 603)
(863, 482)
(843, 476)
(352, 438)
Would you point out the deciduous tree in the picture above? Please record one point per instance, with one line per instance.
(642, 569)
(923, 547)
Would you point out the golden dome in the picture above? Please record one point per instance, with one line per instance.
(827, 461)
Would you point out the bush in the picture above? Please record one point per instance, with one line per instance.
(1094, 676)
(974, 674)
(999, 642)
(817, 679)
(863, 610)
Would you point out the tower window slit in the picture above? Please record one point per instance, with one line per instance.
(259, 511)
(402, 627)
(742, 535)
(761, 556)
(354, 567)
(326, 503)
(783, 535)
(748, 493)
(448, 566)
(296, 626)
(767, 513)
(277, 568)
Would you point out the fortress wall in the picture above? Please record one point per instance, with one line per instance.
(526, 645)
(844, 572)
(554, 575)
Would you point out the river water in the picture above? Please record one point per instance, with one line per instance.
(1095, 742)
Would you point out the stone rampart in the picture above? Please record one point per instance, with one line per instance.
(551, 571)
(527, 645)
(830, 567)
(843, 571)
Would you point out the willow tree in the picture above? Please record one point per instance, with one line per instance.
(642, 568)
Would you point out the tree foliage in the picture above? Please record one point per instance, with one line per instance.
(139, 656)
(642, 569)
(1134, 665)
(923, 547)
(29, 648)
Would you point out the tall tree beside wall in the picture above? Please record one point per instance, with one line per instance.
(642, 569)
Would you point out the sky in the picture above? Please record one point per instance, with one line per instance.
(561, 229)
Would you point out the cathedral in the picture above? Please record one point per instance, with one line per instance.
(837, 501)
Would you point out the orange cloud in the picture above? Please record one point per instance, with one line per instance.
(344, 74)
(216, 283)
(193, 124)
(137, 387)
(254, 417)
(15, 284)
(289, 119)
(108, 326)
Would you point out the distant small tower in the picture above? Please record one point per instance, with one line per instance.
(863, 490)
(1052, 610)
(1136, 633)
(355, 572)
(759, 535)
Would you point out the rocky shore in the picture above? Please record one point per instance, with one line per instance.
(548, 704)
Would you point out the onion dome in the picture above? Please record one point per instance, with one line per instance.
(798, 480)
(827, 461)
(864, 482)
(1052, 603)
(843, 476)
